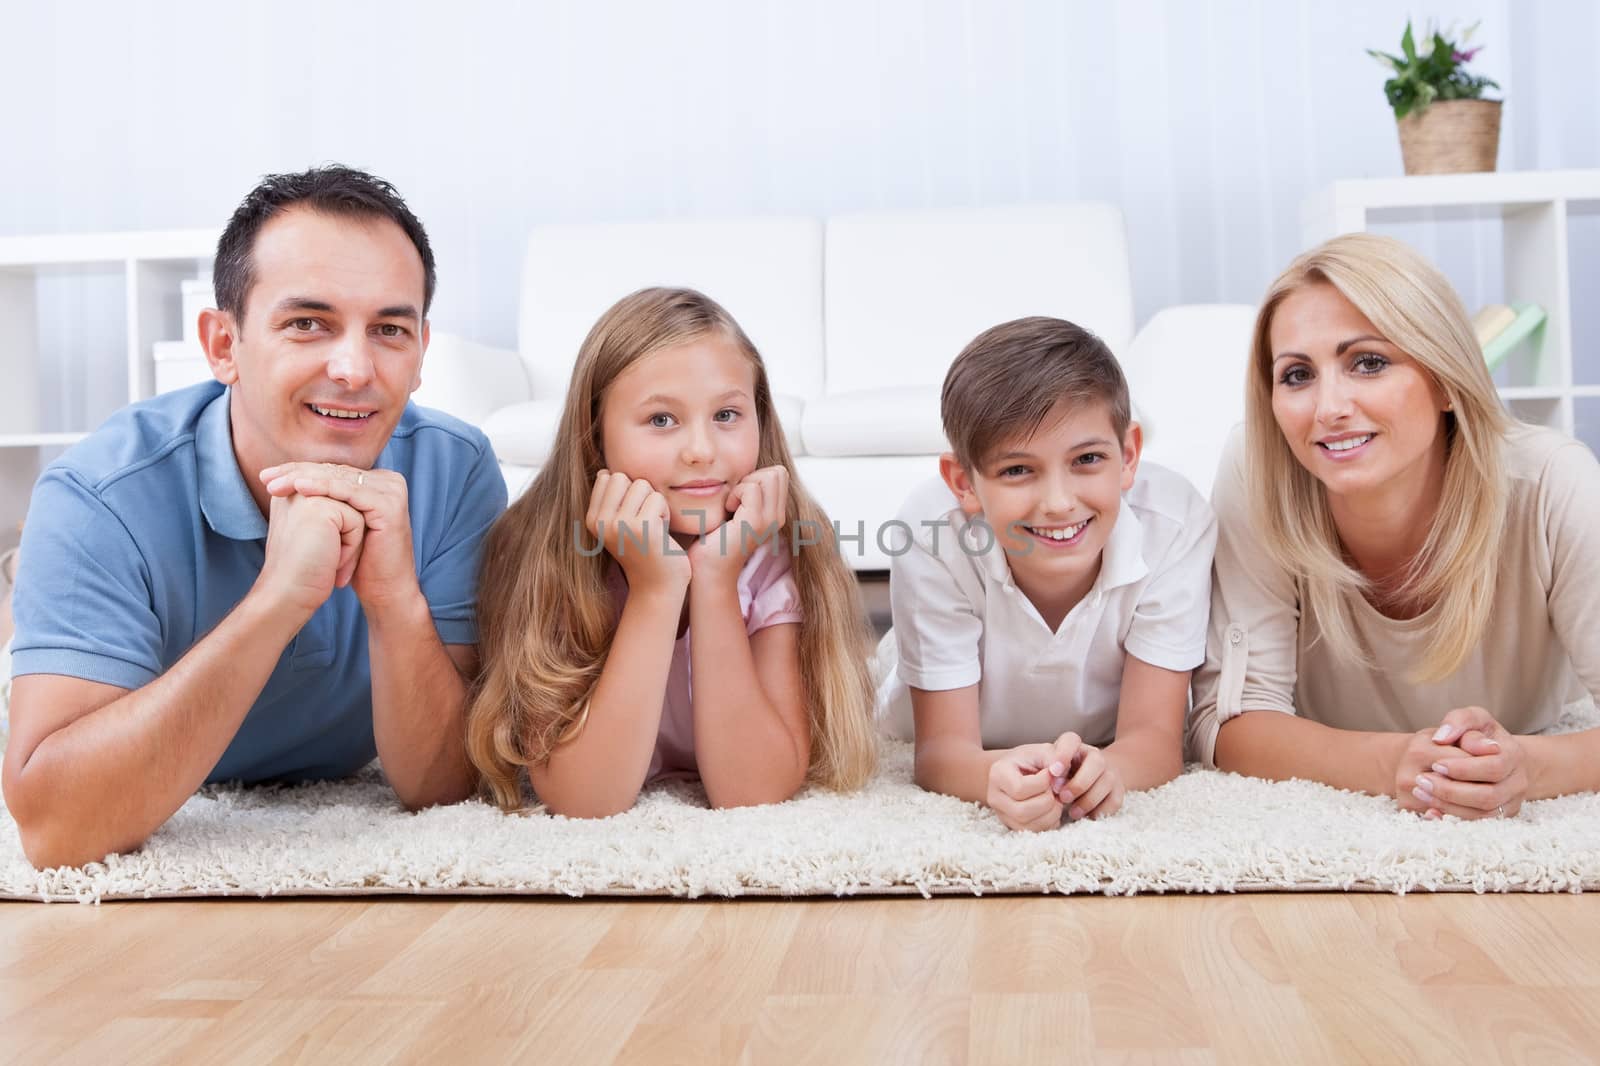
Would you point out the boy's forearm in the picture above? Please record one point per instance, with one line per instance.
(1146, 758)
(745, 752)
(955, 768)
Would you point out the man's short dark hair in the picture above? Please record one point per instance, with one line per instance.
(332, 190)
(1004, 384)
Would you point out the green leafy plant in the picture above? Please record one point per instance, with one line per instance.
(1433, 71)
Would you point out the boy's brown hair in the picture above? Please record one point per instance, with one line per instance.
(1004, 383)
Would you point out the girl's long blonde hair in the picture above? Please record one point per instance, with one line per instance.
(1413, 306)
(546, 618)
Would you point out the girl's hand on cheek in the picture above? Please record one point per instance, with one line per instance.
(631, 519)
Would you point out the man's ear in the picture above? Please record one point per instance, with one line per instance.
(1132, 448)
(960, 481)
(416, 379)
(218, 336)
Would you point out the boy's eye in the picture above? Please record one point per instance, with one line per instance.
(1090, 458)
(727, 414)
(1014, 471)
(1295, 375)
(1370, 363)
(661, 421)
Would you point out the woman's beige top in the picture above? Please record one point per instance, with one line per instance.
(1541, 649)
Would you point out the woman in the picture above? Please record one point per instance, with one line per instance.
(1403, 573)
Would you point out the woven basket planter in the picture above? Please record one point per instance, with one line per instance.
(1451, 137)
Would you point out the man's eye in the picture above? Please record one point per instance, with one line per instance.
(389, 329)
(303, 325)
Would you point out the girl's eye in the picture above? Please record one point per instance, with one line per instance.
(1369, 363)
(1295, 375)
(661, 421)
(727, 414)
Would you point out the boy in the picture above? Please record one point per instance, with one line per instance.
(1051, 598)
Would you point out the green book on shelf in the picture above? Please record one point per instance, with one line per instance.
(1530, 317)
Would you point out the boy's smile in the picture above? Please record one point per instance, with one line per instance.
(1051, 500)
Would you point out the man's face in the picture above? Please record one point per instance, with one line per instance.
(331, 343)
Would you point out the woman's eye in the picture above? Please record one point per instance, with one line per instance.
(727, 414)
(1295, 375)
(661, 421)
(1370, 364)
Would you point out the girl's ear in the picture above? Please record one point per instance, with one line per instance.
(960, 481)
(1132, 447)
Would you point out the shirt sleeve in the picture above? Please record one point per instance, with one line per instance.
(1252, 646)
(1569, 495)
(449, 579)
(768, 594)
(1169, 621)
(83, 603)
(938, 626)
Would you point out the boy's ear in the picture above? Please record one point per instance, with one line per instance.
(960, 481)
(218, 334)
(1132, 447)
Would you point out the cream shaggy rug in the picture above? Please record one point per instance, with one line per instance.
(1204, 832)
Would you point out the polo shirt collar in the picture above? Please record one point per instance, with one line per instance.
(1122, 562)
(225, 499)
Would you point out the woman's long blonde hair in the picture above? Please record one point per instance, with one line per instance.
(1413, 306)
(546, 618)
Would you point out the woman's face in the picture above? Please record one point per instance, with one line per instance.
(1358, 412)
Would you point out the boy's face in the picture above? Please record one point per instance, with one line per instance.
(1052, 498)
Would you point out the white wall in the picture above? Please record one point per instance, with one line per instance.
(1207, 122)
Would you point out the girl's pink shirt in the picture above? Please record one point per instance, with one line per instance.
(768, 596)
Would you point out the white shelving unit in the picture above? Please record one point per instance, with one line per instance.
(152, 267)
(1535, 210)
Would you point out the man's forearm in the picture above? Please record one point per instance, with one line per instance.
(418, 707)
(106, 781)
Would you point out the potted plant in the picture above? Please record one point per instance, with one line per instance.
(1445, 124)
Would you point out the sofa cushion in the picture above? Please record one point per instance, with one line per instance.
(903, 420)
(791, 412)
(523, 433)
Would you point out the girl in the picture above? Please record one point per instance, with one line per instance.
(1404, 583)
(630, 627)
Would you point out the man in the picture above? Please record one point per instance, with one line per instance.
(267, 577)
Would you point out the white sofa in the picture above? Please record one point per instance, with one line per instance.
(857, 317)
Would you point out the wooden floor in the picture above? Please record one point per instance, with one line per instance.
(1263, 978)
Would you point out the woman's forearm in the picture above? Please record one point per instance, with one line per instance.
(1279, 746)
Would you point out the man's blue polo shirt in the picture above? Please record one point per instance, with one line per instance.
(142, 537)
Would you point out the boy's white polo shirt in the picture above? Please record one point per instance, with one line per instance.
(960, 619)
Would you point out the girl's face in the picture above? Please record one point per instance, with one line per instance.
(1358, 413)
(684, 419)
